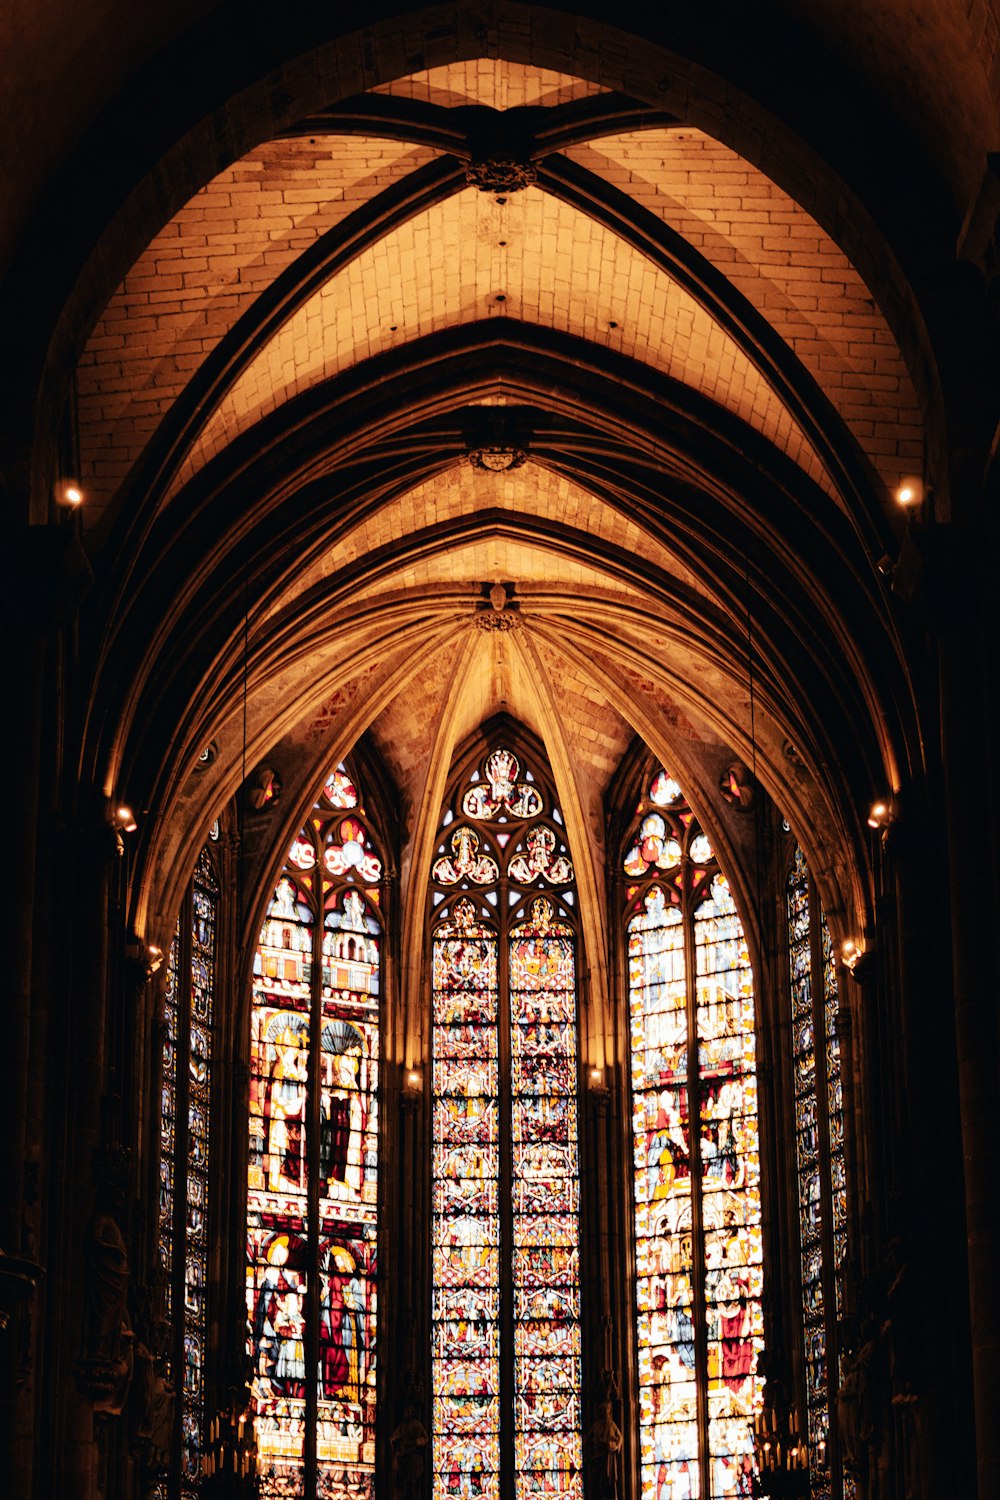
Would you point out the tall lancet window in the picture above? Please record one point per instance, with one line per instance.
(699, 1273)
(312, 1188)
(819, 1155)
(185, 1144)
(505, 1173)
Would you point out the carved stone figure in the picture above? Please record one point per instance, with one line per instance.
(106, 1370)
(408, 1443)
(603, 1445)
(151, 1410)
(603, 1441)
(854, 1407)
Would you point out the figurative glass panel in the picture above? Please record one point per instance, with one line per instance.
(822, 1198)
(204, 902)
(730, 1185)
(505, 1175)
(699, 1321)
(835, 1115)
(348, 1192)
(185, 1094)
(465, 1176)
(168, 1122)
(668, 1441)
(312, 1200)
(545, 1171)
(807, 1155)
(835, 1127)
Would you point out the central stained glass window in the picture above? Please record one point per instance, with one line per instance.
(699, 1277)
(505, 1174)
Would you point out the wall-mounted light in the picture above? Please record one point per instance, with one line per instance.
(69, 493)
(414, 1081)
(882, 812)
(851, 953)
(910, 492)
(147, 955)
(124, 819)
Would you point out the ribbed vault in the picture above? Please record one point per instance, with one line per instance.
(704, 405)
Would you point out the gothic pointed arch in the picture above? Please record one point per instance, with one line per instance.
(506, 1322)
(313, 1195)
(697, 1228)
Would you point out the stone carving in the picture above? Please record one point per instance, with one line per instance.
(263, 788)
(498, 616)
(489, 621)
(105, 1372)
(408, 1443)
(736, 786)
(793, 755)
(855, 1416)
(603, 1442)
(500, 174)
(151, 1411)
(497, 458)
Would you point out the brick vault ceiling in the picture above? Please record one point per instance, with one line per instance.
(749, 259)
(471, 257)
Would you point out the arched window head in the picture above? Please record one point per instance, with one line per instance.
(312, 1201)
(699, 1277)
(505, 1174)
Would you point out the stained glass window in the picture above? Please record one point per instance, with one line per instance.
(185, 1150)
(697, 1207)
(819, 1151)
(505, 1172)
(313, 1158)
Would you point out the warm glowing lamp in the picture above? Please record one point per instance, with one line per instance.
(69, 493)
(882, 812)
(910, 492)
(851, 953)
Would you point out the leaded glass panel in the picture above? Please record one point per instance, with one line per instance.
(312, 1204)
(185, 1161)
(505, 1171)
(822, 1196)
(697, 1205)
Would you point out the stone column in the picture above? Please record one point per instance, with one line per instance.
(968, 647)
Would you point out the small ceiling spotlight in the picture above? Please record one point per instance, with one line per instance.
(69, 493)
(910, 492)
(124, 819)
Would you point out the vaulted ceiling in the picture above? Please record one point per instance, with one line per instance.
(703, 406)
